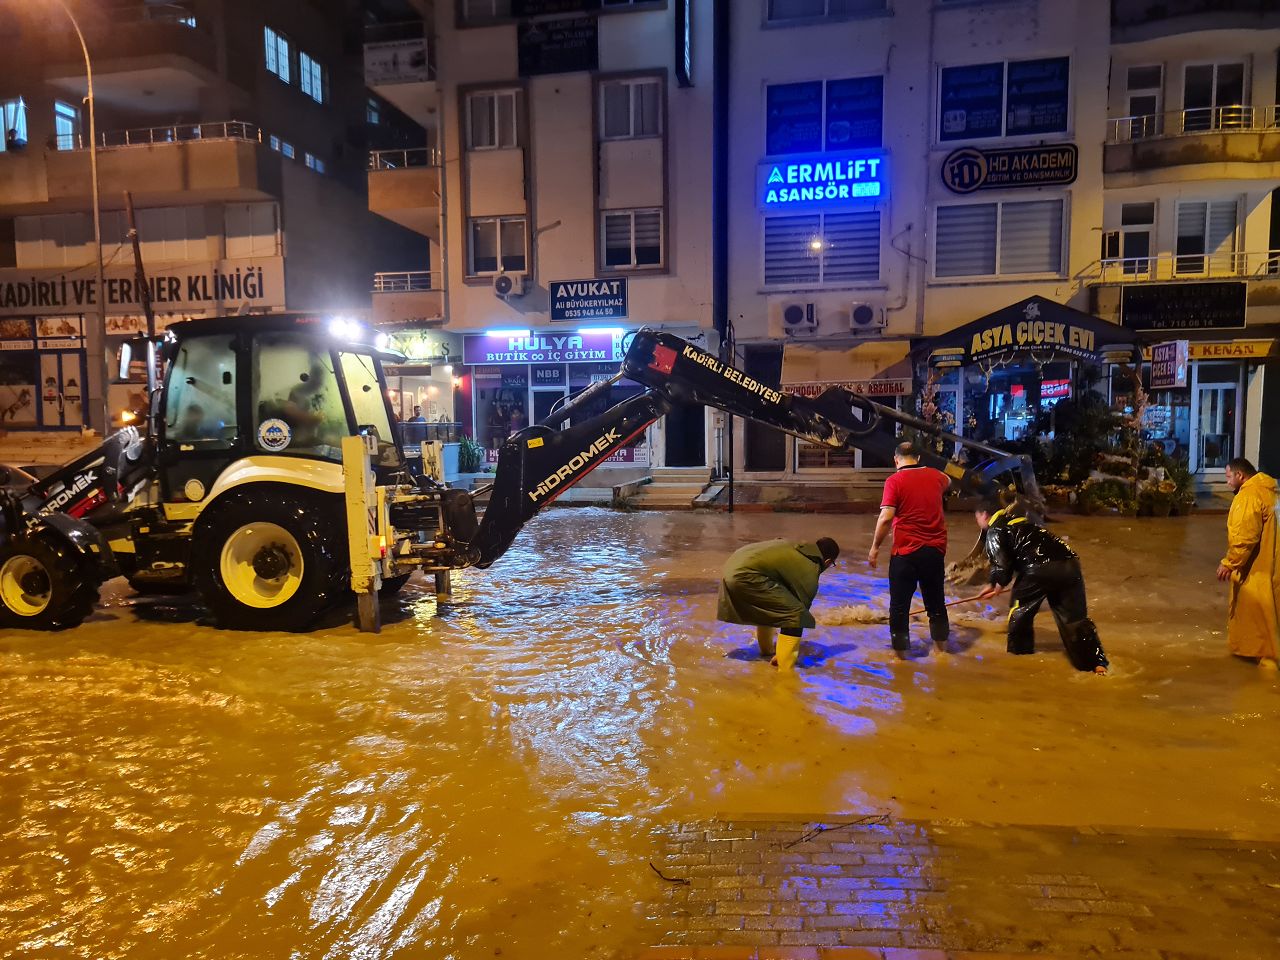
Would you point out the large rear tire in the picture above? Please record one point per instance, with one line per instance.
(271, 561)
(44, 585)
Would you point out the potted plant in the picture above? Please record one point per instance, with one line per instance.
(470, 455)
(1156, 499)
(1184, 487)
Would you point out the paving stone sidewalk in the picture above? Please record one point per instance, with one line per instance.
(803, 887)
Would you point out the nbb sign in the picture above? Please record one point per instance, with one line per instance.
(855, 178)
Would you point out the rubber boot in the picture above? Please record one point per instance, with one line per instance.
(764, 637)
(788, 651)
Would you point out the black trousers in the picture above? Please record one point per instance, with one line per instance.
(1062, 584)
(924, 568)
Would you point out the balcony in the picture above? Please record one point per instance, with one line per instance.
(413, 298)
(1165, 267)
(155, 59)
(404, 187)
(1135, 20)
(1206, 143)
(399, 66)
(189, 163)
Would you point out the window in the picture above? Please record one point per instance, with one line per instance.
(171, 234)
(781, 10)
(66, 125)
(287, 149)
(1131, 244)
(278, 53)
(369, 404)
(13, 114)
(294, 382)
(1206, 237)
(491, 120)
(1006, 238)
(631, 238)
(1017, 98)
(1144, 85)
(200, 404)
(373, 111)
(630, 109)
(497, 246)
(313, 162)
(1212, 94)
(816, 115)
(311, 77)
(53, 240)
(251, 230)
(275, 142)
(822, 248)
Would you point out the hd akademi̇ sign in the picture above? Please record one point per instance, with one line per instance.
(851, 178)
(970, 168)
(589, 299)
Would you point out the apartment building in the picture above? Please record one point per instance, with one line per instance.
(564, 183)
(240, 131)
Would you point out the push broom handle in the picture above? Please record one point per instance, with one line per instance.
(920, 610)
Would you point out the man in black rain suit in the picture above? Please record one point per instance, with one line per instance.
(1046, 569)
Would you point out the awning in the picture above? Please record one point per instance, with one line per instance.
(877, 368)
(1036, 329)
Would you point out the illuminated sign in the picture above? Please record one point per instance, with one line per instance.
(1169, 365)
(522, 348)
(823, 180)
(969, 168)
(1055, 389)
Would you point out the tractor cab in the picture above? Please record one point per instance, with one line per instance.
(261, 388)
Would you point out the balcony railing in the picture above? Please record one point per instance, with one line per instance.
(175, 133)
(1128, 13)
(404, 159)
(1181, 123)
(406, 281)
(1171, 266)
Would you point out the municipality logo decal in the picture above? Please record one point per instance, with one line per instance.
(776, 176)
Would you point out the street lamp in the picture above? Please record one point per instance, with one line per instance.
(95, 334)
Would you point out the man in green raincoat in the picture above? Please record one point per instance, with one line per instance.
(770, 586)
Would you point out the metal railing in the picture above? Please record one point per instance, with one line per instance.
(404, 159)
(1181, 123)
(407, 281)
(1128, 13)
(1172, 266)
(174, 133)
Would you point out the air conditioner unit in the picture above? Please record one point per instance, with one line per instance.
(799, 319)
(509, 285)
(866, 318)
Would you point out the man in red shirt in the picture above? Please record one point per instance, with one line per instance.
(912, 503)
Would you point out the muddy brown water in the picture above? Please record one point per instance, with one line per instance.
(482, 778)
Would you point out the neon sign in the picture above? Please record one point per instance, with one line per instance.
(823, 180)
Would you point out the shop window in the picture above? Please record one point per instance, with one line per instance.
(311, 77)
(66, 125)
(1212, 94)
(631, 239)
(631, 108)
(497, 246)
(200, 403)
(492, 120)
(780, 11)
(807, 117)
(999, 239)
(251, 230)
(1206, 237)
(295, 383)
(822, 248)
(13, 114)
(1144, 87)
(1014, 98)
(820, 456)
(278, 50)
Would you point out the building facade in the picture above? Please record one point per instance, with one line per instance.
(240, 132)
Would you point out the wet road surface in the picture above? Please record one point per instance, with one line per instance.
(488, 777)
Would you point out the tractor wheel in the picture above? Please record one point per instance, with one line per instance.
(271, 561)
(44, 585)
(392, 585)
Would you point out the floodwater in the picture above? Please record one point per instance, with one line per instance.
(483, 778)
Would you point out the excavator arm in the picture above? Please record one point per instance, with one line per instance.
(540, 462)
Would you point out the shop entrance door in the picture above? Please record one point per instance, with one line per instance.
(543, 401)
(62, 389)
(1215, 416)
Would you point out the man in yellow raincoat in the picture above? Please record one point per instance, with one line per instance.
(1252, 565)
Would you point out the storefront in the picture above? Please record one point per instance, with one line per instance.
(880, 370)
(998, 379)
(515, 378)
